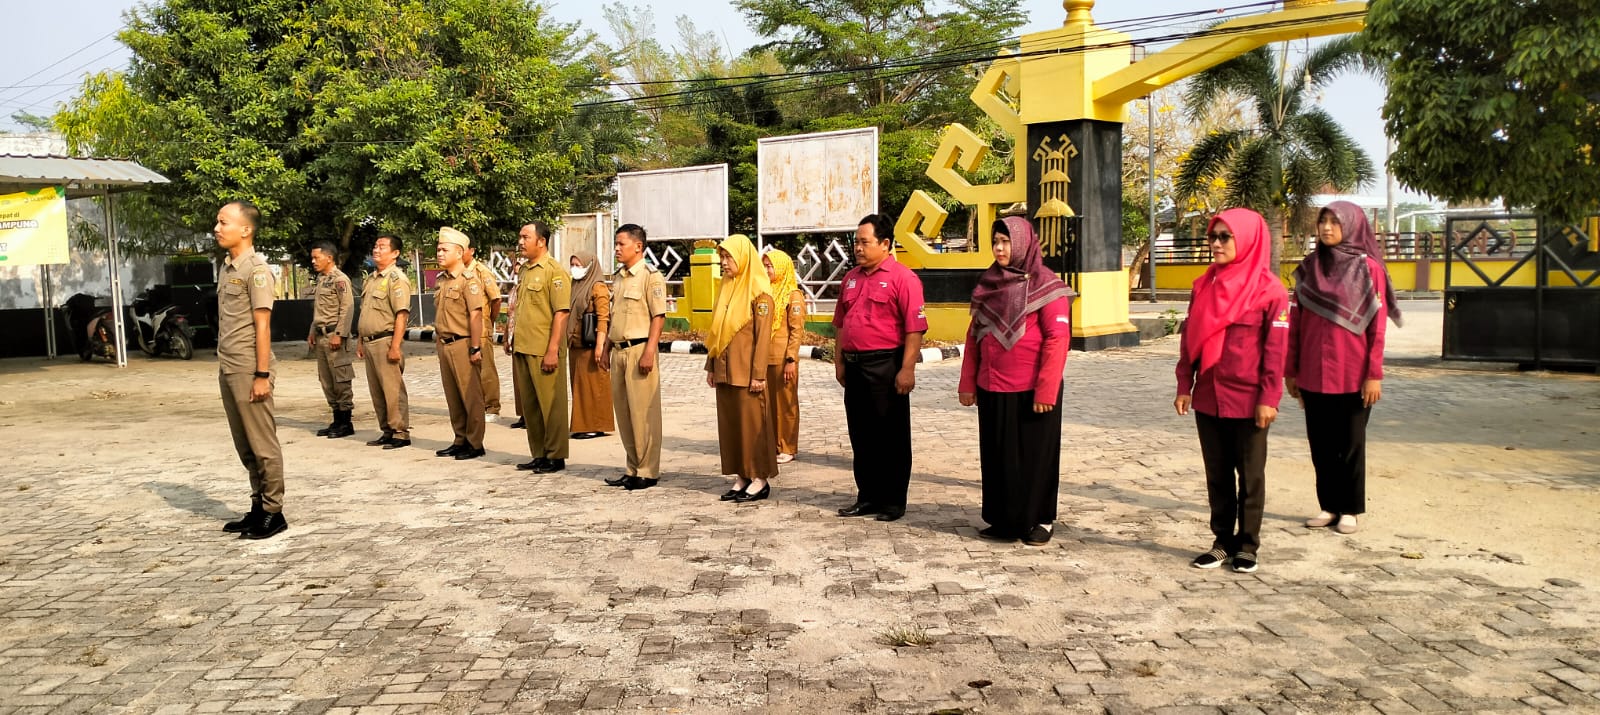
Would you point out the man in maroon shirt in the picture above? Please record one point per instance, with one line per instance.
(879, 321)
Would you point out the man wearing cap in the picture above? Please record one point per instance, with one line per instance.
(458, 336)
(385, 308)
(488, 374)
(333, 307)
(245, 288)
(538, 347)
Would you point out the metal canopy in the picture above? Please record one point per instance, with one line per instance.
(81, 177)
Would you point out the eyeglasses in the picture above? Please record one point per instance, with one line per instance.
(1219, 236)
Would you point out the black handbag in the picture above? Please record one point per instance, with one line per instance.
(591, 324)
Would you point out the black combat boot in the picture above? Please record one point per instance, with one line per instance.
(325, 431)
(341, 426)
(269, 526)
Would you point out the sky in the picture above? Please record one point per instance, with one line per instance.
(51, 46)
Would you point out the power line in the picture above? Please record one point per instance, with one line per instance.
(47, 67)
(16, 100)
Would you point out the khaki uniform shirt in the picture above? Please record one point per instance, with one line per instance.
(246, 285)
(638, 294)
(333, 303)
(490, 284)
(745, 358)
(455, 296)
(543, 289)
(786, 348)
(385, 295)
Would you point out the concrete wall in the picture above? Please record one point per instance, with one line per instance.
(21, 286)
(1408, 275)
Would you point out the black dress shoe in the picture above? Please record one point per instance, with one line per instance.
(747, 497)
(246, 522)
(397, 443)
(619, 481)
(587, 435)
(891, 513)
(519, 424)
(730, 495)
(995, 533)
(470, 453)
(860, 508)
(550, 465)
(1039, 536)
(452, 450)
(636, 483)
(387, 438)
(532, 465)
(269, 526)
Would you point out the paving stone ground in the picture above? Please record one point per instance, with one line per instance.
(408, 583)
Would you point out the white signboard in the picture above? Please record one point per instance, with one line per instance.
(816, 182)
(691, 202)
(587, 232)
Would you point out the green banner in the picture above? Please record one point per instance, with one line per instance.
(33, 227)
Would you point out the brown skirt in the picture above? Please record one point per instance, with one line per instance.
(783, 409)
(744, 434)
(591, 394)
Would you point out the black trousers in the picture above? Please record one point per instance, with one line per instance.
(1336, 426)
(879, 421)
(1019, 451)
(1235, 453)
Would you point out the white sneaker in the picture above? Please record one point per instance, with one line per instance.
(785, 458)
(1347, 524)
(490, 417)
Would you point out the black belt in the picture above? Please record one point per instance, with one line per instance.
(625, 344)
(869, 354)
(447, 339)
(326, 329)
(375, 336)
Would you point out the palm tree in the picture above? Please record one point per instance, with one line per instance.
(1293, 150)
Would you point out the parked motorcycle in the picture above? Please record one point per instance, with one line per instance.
(164, 330)
(90, 324)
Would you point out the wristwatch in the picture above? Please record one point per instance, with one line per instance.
(263, 374)
(475, 350)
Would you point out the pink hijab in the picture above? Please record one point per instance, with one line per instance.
(1227, 291)
(1007, 294)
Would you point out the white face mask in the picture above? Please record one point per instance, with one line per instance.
(578, 272)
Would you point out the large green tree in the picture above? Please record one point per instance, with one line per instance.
(1489, 98)
(1290, 150)
(333, 115)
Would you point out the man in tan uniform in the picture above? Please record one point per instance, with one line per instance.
(246, 365)
(538, 347)
(332, 311)
(458, 337)
(488, 374)
(638, 313)
(385, 308)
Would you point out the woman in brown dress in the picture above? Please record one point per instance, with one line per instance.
(736, 366)
(783, 357)
(591, 386)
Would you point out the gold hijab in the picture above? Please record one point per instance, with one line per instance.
(786, 285)
(736, 294)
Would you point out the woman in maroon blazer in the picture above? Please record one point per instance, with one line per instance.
(1342, 294)
(1230, 372)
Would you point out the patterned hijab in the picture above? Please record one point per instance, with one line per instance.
(1225, 292)
(736, 293)
(1007, 294)
(1335, 282)
(784, 286)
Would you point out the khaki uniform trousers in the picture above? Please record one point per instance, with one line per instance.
(489, 376)
(255, 438)
(783, 404)
(336, 370)
(462, 393)
(636, 400)
(544, 397)
(387, 385)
